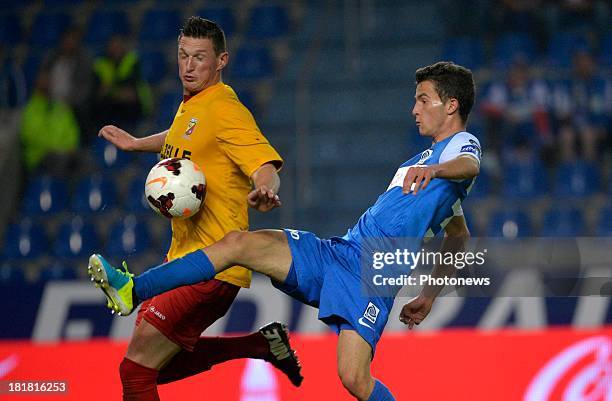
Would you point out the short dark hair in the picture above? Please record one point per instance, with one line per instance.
(451, 81)
(198, 27)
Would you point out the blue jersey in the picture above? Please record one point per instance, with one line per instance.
(399, 215)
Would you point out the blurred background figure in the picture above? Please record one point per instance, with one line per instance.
(69, 67)
(582, 110)
(121, 97)
(49, 131)
(12, 82)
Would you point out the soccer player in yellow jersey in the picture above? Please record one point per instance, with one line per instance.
(213, 129)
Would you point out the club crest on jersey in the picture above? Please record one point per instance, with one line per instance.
(190, 127)
(425, 155)
(371, 313)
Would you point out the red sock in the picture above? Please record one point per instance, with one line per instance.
(139, 382)
(210, 351)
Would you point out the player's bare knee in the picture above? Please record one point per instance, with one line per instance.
(234, 242)
(354, 381)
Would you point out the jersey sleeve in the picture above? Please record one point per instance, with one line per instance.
(462, 144)
(240, 139)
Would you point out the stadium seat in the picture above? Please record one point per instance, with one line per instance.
(606, 50)
(153, 66)
(160, 24)
(49, 28)
(465, 51)
(105, 23)
(44, 196)
(482, 186)
(24, 240)
(268, 22)
(577, 179)
(563, 222)
(509, 224)
(10, 29)
(135, 201)
(57, 271)
(604, 222)
(252, 63)
(94, 194)
(524, 180)
(11, 274)
(223, 16)
(512, 46)
(108, 156)
(167, 107)
(562, 47)
(128, 237)
(75, 239)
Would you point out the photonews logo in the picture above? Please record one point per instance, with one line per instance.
(581, 372)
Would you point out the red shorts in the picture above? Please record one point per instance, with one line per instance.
(184, 313)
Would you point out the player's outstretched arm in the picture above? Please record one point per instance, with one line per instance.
(460, 168)
(266, 182)
(125, 141)
(455, 238)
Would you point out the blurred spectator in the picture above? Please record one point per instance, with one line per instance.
(582, 107)
(49, 130)
(69, 68)
(12, 82)
(121, 97)
(516, 112)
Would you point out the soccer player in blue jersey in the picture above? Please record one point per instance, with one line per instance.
(423, 198)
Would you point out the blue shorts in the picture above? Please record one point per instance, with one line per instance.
(326, 274)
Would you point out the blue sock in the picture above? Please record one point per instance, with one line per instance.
(190, 269)
(381, 393)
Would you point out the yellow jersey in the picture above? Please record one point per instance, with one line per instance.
(219, 134)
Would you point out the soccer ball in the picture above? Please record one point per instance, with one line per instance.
(175, 188)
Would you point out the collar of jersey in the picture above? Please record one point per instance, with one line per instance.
(203, 93)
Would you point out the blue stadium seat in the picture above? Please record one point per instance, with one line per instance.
(30, 70)
(247, 98)
(562, 47)
(94, 194)
(465, 51)
(223, 16)
(512, 46)
(108, 156)
(12, 5)
(252, 63)
(160, 24)
(604, 222)
(482, 186)
(57, 271)
(128, 237)
(10, 29)
(577, 179)
(524, 180)
(105, 23)
(563, 222)
(147, 160)
(11, 274)
(24, 240)
(75, 239)
(268, 22)
(167, 108)
(509, 224)
(606, 50)
(44, 196)
(153, 66)
(49, 28)
(135, 201)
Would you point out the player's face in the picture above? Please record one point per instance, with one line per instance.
(199, 66)
(428, 111)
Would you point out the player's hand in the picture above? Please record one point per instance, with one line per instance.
(415, 311)
(418, 177)
(263, 199)
(118, 137)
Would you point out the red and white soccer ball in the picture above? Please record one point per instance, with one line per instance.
(175, 188)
